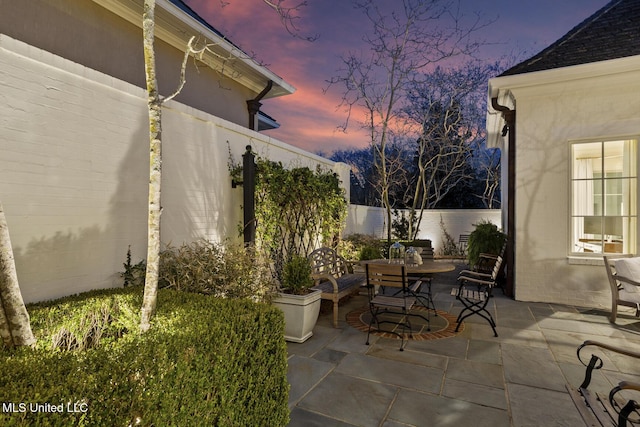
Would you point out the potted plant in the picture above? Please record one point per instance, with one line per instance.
(487, 239)
(299, 303)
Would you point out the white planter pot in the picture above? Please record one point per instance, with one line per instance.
(300, 314)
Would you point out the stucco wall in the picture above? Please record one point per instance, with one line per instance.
(600, 104)
(371, 220)
(85, 32)
(74, 171)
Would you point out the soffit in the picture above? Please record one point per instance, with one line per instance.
(175, 28)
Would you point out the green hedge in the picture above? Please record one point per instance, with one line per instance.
(206, 361)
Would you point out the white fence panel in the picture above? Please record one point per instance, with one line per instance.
(371, 220)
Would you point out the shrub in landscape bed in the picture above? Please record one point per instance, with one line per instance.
(359, 247)
(228, 270)
(205, 361)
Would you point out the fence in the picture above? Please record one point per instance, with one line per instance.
(371, 220)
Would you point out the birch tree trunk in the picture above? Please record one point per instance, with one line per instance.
(15, 327)
(154, 102)
(155, 165)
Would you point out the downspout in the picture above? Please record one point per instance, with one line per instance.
(509, 117)
(253, 105)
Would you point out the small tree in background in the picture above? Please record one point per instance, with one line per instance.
(412, 37)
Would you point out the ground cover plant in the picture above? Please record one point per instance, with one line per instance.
(206, 361)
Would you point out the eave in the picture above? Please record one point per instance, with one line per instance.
(175, 28)
(504, 87)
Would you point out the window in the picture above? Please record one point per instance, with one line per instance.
(604, 197)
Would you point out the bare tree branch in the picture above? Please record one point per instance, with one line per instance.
(289, 16)
(405, 40)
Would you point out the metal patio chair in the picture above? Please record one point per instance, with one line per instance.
(474, 291)
(379, 278)
(619, 406)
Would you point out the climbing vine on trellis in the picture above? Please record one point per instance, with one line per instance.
(296, 209)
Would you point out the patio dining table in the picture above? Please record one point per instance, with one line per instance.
(426, 269)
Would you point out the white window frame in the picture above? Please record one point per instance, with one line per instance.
(600, 210)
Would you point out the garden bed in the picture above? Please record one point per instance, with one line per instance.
(205, 361)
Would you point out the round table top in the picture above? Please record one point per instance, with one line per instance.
(427, 266)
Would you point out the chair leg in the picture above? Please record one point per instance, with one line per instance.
(335, 313)
(404, 323)
(475, 307)
(426, 298)
(614, 313)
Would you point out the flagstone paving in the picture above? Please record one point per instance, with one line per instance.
(473, 378)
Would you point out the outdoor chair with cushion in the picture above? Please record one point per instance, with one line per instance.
(624, 281)
(331, 274)
(391, 306)
(474, 290)
(616, 407)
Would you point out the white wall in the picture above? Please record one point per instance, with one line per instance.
(74, 171)
(554, 108)
(371, 220)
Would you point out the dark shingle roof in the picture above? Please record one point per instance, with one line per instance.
(186, 9)
(612, 32)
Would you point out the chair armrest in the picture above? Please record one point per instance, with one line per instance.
(607, 347)
(349, 266)
(318, 277)
(475, 280)
(624, 406)
(628, 385)
(476, 274)
(626, 280)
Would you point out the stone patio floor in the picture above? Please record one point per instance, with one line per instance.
(517, 379)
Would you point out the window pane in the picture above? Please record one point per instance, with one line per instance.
(587, 159)
(587, 234)
(613, 157)
(613, 196)
(585, 200)
(613, 227)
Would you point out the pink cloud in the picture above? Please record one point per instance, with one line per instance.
(309, 118)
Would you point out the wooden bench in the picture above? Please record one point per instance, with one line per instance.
(613, 409)
(332, 276)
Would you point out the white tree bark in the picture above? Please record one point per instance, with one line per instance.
(154, 103)
(155, 168)
(15, 327)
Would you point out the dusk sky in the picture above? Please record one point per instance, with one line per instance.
(310, 117)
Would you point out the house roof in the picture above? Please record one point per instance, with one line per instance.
(610, 33)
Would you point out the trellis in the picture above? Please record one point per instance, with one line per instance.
(296, 210)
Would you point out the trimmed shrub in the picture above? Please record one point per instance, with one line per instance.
(205, 361)
(359, 247)
(296, 275)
